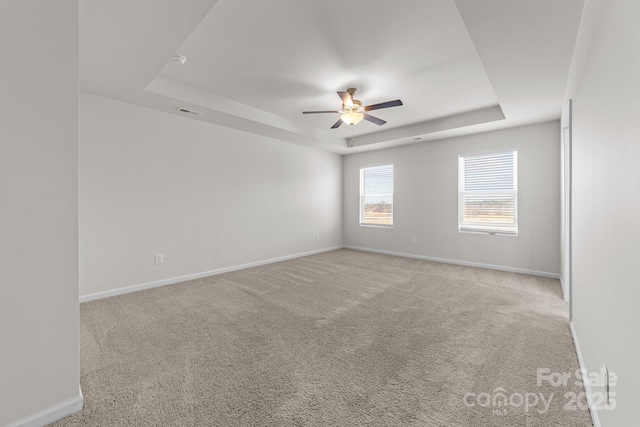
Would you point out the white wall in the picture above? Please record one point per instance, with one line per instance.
(605, 89)
(426, 200)
(206, 197)
(39, 347)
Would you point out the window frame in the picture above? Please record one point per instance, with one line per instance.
(386, 195)
(500, 229)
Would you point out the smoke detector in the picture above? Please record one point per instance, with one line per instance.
(179, 59)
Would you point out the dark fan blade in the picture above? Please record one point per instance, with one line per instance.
(375, 120)
(346, 98)
(387, 104)
(317, 112)
(337, 124)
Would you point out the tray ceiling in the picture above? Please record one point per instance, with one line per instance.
(458, 66)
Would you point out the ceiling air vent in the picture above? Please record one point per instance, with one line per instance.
(186, 110)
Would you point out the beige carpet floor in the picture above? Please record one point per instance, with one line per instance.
(343, 338)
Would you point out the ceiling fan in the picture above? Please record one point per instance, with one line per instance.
(352, 110)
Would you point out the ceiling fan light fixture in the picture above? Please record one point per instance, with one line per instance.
(352, 117)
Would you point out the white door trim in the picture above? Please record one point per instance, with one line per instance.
(566, 185)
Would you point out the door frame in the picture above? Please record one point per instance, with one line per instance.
(566, 196)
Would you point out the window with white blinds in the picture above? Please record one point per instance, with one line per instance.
(488, 193)
(376, 195)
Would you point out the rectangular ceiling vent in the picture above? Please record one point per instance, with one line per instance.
(186, 110)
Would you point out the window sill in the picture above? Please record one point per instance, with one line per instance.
(489, 233)
(376, 225)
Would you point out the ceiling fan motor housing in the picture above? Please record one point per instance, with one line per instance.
(355, 108)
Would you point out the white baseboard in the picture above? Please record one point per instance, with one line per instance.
(173, 280)
(458, 262)
(585, 381)
(52, 414)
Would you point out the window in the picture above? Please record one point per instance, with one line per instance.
(488, 193)
(376, 195)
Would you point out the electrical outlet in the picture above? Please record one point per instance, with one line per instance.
(159, 259)
(414, 240)
(318, 236)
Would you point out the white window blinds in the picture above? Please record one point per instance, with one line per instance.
(376, 195)
(488, 193)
